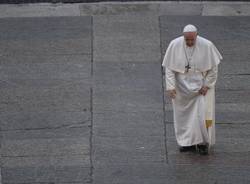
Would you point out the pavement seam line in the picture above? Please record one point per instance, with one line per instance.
(163, 95)
(91, 105)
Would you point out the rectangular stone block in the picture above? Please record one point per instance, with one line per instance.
(71, 96)
(46, 161)
(46, 36)
(73, 69)
(128, 75)
(39, 120)
(45, 147)
(128, 149)
(127, 100)
(112, 124)
(67, 174)
(126, 38)
(45, 99)
(82, 59)
(45, 28)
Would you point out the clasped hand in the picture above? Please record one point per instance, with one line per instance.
(171, 93)
(202, 91)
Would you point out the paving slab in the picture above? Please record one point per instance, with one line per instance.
(129, 149)
(142, 8)
(45, 99)
(156, 173)
(46, 37)
(127, 75)
(24, 120)
(127, 100)
(127, 86)
(112, 124)
(203, 8)
(29, 175)
(124, 38)
(128, 125)
(39, 10)
(74, 69)
(65, 97)
(38, 147)
(58, 28)
(226, 9)
(44, 58)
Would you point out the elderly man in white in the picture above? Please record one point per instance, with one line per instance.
(191, 65)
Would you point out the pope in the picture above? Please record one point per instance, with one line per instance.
(191, 67)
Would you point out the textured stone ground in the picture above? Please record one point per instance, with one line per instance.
(90, 1)
(82, 94)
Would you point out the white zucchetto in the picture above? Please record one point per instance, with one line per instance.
(189, 28)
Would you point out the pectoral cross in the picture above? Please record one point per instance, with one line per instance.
(187, 67)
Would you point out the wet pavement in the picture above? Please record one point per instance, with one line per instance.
(82, 96)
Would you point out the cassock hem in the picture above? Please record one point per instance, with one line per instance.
(192, 144)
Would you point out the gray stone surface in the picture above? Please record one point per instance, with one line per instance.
(112, 124)
(128, 109)
(226, 9)
(127, 86)
(128, 38)
(26, 40)
(127, 75)
(39, 10)
(142, 8)
(45, 99)
(82, 97)
(52, 174)
(204, 8)
(179, 173)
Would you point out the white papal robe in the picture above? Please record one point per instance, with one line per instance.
(194, 114)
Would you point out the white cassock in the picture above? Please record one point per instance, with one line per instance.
(194, 114)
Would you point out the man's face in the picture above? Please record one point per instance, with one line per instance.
(190, 38)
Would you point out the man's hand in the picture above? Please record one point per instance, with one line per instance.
(203, 90)
(171, 93)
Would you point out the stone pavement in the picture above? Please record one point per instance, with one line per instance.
(82, 95)
(86, 1)
(156, 8)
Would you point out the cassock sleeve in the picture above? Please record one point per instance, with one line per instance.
(211, 77)
(170, 79)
